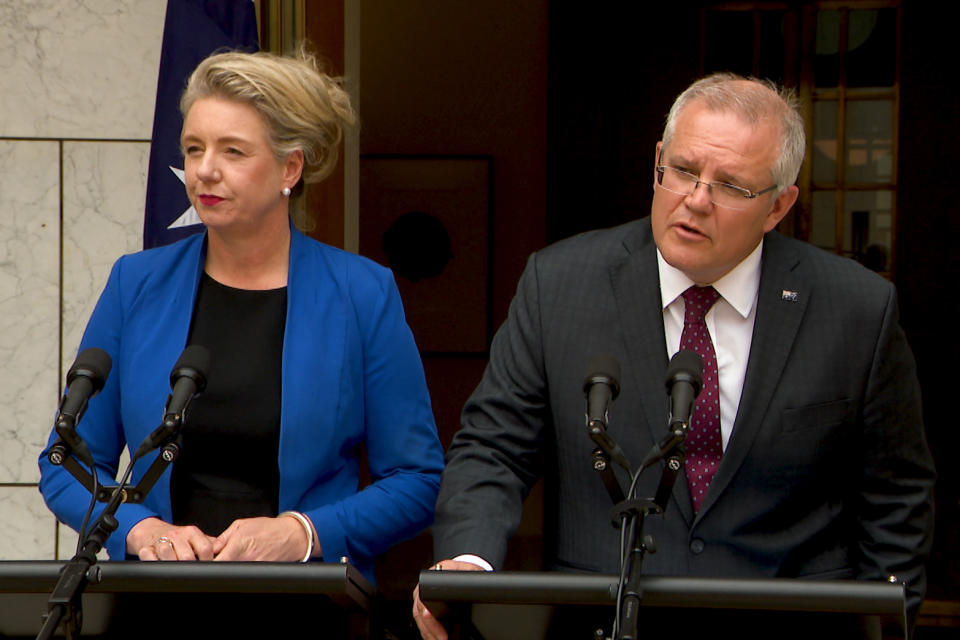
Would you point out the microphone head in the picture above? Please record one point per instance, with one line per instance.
(685, 366)
(193, 363)
(603, 369)
(91, 363)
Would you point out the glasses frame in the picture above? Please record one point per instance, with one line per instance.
(695, 179)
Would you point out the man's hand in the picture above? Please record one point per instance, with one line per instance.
(430, 627)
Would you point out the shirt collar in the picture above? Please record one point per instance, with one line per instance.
(738, 287)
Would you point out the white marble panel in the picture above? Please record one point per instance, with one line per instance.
(29, 302)
(104, 185)
(79, 69)
(27, 528)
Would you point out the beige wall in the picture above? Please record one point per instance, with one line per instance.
(76, 112)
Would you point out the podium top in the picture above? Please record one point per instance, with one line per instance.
(506, 605)
(342, 583)
(193, 599)
(768, 594)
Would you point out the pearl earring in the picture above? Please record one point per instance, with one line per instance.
(285, 191)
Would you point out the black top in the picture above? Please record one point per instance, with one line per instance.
(227, 467)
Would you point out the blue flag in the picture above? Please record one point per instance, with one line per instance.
(193, 29)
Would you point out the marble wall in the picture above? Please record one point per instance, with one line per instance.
(77, 91)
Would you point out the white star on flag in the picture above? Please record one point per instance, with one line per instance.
(189, 217)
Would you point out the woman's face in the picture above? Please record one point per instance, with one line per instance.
(232, 177)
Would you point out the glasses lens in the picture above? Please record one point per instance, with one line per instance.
(729, 196)
(679, 182)
(683, 183)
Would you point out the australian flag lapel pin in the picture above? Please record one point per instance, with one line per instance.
(789, 296)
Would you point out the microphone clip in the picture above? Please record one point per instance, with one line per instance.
(59, 455)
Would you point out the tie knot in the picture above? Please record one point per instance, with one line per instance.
(697, 301)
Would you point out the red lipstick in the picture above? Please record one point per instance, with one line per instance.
(208, 200)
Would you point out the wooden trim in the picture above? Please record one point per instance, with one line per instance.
(895, 148)
(939, 613)
(324, 202)
(857, 5)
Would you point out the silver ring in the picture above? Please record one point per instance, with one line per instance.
(437, 567)
(163, 539)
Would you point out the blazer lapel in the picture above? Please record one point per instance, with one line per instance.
(636, 289)
(781, 303)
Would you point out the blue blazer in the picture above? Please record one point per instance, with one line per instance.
(352, 376)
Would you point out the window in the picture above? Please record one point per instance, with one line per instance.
(842, 58)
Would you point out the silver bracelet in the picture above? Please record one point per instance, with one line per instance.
(307, 528)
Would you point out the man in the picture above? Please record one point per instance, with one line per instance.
(819, 466)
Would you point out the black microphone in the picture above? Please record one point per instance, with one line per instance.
(84, 380)
(187, 379)
(684, 381)
(602, 386)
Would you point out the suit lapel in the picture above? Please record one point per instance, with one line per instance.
(636, 289)
(781, 303)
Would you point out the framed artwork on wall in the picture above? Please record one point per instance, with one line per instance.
(428, 218)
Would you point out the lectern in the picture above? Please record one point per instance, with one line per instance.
(178, 600)
(502, 605)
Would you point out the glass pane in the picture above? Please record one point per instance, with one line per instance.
(872, 48)
(729, 42)
(772, 45)
(826, 64)
(868, 224)
(823, 221)
(869, 141)
(825, 141)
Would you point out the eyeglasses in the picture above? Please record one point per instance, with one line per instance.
(684, 183)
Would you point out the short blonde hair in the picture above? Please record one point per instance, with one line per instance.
(753, 100)
(303, 107)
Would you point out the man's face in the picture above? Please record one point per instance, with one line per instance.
(701, 239)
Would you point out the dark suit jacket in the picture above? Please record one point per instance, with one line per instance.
(827, 473)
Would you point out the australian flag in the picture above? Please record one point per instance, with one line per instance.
(193, 29)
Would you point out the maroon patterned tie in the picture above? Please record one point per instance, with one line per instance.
(704, 447)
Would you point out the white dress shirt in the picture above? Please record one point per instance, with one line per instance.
(729, 321)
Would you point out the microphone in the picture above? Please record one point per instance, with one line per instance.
(84, 380)
(602, 386)
(684, 381)
(187, 379)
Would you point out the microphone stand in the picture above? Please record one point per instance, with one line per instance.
(65, 602)
(628, 514)
(631, 513)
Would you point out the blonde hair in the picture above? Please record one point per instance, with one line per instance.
(302, 107)
(753, 100)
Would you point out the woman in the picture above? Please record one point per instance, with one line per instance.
(310, 354)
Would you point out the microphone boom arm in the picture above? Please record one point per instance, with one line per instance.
(60, 455)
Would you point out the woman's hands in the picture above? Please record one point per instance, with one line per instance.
(280, 539)
(154, 539)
